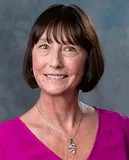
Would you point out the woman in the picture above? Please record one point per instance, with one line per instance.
(63, 56)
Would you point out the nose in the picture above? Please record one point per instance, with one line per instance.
(56, 59)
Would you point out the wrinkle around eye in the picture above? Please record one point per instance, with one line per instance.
(43, 46)
(70, 49)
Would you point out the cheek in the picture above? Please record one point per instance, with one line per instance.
(37, 63)
(77, 65)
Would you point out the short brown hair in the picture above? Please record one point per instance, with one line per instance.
(78, 29)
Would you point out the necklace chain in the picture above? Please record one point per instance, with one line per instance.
(72, 146)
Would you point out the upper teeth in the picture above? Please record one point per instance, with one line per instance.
(55, 77)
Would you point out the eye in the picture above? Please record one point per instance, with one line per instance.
(43, 46)
(70, 48)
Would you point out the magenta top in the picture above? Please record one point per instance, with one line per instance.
(17, 142)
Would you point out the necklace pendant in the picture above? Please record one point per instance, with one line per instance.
(72, 146)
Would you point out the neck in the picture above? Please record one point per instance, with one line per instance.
(60, 109)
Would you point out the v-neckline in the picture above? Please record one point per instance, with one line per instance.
(36, 139)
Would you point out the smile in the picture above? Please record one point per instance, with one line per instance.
(55, 76)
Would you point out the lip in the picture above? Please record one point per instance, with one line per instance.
(51, 75)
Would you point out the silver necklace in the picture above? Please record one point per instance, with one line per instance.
(72, 147)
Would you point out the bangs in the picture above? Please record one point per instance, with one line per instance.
(63, 31)
(63, 25)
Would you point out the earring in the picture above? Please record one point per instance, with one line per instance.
(31, 72)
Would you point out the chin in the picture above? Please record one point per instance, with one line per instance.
(54, 91)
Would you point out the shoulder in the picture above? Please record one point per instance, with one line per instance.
(7, 128)
(115, 121)
(6, 124)
(103, 113)
(116, 126)
(114, 116)
(107, 115)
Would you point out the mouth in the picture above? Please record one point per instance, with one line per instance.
(52, 76)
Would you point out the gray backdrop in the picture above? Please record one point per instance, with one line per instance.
(111, 20)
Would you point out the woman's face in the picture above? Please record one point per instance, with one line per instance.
(57, 67)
